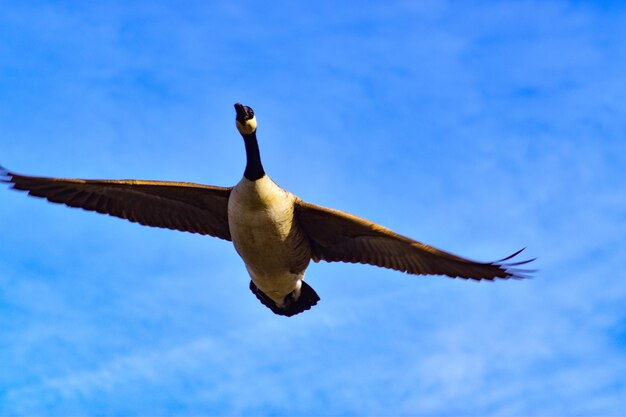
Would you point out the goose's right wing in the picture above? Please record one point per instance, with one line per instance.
(183, 206)
(336, 236)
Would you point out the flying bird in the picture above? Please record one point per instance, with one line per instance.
(273, 231)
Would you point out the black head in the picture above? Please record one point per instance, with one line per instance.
(245, 120)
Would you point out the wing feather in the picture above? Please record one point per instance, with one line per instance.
(183, 206)
(336, 236)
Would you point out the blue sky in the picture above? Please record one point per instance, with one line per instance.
(477, 127)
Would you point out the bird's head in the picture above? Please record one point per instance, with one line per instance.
(245, 120)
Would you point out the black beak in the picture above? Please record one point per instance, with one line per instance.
(243, 112)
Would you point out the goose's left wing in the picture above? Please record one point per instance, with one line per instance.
(183, 206)
(337, 236)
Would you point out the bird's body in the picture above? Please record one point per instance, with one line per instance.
(275, 233)
(271, 244)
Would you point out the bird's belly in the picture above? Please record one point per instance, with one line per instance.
(274, 249)
(275, 261)
(262, 246)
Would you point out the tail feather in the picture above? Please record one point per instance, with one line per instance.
(292, 306)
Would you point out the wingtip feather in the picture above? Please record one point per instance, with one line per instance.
(511, 270)
(511, 256)
(4, 175)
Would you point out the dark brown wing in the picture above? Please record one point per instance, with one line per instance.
(337, 236)
(180, 206)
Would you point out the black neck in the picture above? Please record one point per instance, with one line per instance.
(254, 168)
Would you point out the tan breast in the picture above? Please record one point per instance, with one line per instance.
(261, 221)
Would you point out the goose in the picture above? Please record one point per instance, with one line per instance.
(275, 233)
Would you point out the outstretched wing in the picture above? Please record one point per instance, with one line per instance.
(337, 236)
(183, 206)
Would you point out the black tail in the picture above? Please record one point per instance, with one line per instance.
(307, 299)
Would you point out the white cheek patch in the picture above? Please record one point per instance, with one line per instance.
(246, 127)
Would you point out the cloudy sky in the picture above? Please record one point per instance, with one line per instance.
(477, 127)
